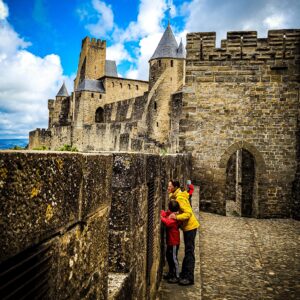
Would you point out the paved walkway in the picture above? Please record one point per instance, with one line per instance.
(253, 259)
(243, 258)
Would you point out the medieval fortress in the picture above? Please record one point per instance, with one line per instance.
(235, 109)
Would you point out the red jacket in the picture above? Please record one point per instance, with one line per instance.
(173, 235)
(190, 189)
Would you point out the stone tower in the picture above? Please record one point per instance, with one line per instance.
(166, 77)
(59, 109)
(92, 60)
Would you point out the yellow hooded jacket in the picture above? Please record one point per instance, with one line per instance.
(186, 215)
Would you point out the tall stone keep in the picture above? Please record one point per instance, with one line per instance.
(92, 60)
(166, 77)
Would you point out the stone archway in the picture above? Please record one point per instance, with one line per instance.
(244, 168)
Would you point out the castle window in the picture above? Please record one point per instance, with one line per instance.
(156, 124)
(100, 96)
(92, 95)
(155, 105)
(99, 116)
(159, 63)
(172, 63)
(113, 84)
(137, 87)
(121, 85)
(129, 87)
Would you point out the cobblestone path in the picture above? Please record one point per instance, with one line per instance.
(242, 258)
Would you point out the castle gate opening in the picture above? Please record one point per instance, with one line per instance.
(240, 183)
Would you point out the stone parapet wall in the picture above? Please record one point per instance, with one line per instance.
(58, 201)
(138, 186)
(79, 216)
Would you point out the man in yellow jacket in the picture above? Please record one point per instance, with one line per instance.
(189, 227)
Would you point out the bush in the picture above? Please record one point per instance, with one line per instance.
(17, 148)
(67, 147)
(41, 148)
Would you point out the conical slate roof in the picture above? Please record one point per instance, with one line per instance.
(63, 92)
(180, 51)
(167, 46)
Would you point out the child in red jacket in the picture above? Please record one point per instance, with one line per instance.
(173, 241)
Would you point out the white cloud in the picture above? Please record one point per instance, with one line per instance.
(26, 82)
(118, 53)
(104, 16)
(223, 16)
(147, 46)
(3, 10)
(274, 21)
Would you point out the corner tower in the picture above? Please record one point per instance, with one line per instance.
(166, 77)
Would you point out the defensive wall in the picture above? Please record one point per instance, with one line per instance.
(241, 104)
(82, 226)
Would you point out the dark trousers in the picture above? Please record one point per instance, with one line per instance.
(171, 255)
(188, 264)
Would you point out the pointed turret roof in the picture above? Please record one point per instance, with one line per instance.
(167, 46)
(63, 92)
(180, 50)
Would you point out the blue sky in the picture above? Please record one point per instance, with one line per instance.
(40, 42)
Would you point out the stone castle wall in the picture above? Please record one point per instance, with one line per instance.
(89, 223)
(243, 96)
(118, 89)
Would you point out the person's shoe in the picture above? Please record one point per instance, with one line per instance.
(184, 281)
(173, 280)
(168, 276)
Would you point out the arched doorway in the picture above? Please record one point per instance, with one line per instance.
(240, 182)
(247, 182)
(99, 117)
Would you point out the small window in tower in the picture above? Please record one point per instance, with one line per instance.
(113, 84)
(100, 96)
(121, 85)
(172, 63)
(92, 95)
(156, 124)
(159, 63)
(129, 87)
(137, 87)
(155, 105)
(170, 78)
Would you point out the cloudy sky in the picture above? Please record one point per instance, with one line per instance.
(40, 42)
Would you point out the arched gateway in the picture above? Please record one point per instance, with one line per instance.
(244, 167)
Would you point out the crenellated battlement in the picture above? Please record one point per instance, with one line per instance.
(93, 42)
(280, 44)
